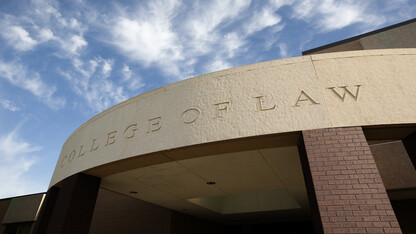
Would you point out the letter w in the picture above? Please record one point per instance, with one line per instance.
(346, 90)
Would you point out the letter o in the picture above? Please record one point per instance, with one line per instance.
(63, 160)
(188, 117)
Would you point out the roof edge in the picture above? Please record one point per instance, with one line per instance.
(307, 52)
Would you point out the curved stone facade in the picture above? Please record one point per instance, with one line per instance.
(356, 88)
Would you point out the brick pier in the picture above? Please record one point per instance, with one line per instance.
(350, 196)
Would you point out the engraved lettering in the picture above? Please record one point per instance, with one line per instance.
(130, 131)
(80, 151)
(219, 108)
(346, 90)
(190, 115)
(154, 124)
(304, 97)
(111, 138)
(93, 144)
(63, 160)
(72, 155)
(260, 107)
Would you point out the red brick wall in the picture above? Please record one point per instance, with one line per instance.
(74, 206)
(117, 213)
(349, 192)
(41, 225)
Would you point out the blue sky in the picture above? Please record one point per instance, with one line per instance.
(62, 62)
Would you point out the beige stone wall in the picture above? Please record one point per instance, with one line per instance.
(357, 88)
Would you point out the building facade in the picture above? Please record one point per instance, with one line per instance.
(323, 143)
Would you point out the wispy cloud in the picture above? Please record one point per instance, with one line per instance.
(396, 9)
(146, 35)
(9, 105)
(174, 38)
(90, 80)
(17, 37)
(45, 34)
(131, 79)
(217, 64)
(215, 32)
(16, 159)
(19, 76)
(74, 44)
(42, 23)
(331, 15)
(262, 19)
(283, 50)
(231, 44)
(206, 18)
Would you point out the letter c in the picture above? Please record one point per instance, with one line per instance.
(63, 160)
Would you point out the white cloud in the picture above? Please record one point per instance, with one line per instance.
(47, 12)
(133, 81)
(404, 8)
(283, 50)
(261, 20)
(303, 9)
(45, 34)
(217, 64)
(74, 44)
(12, 146)
(90, 80)
(145, 41)
(173, 36)
(107, 67)
(181, 38)
(18, 76)
(17, 37)
(331, 15)
(203, 30)
(146, 36)
(232, 43)
(276, 4)
(16, 160)
(270, 41)
(41, 24)
(208, 16)
(9, 105)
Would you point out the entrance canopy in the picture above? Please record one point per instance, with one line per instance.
(224, 144)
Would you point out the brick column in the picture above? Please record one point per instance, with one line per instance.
(350, 196)
(45, 213)
(74, 205)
